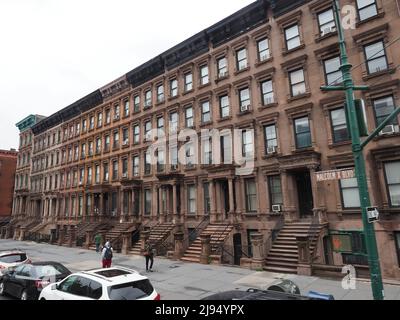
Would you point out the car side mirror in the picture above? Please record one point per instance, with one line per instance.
(54, 287)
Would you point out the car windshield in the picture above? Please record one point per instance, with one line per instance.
(54, 270)
(131, 291)
(13, 258)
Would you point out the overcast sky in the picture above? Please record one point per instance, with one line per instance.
(54, 52)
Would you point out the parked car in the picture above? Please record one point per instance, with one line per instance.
(11, 259)
(28, 280)
(115, 283)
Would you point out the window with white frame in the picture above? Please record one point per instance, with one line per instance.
(108, 116)
(333, 75)
(173, 122)
(392, 170)
(136, 103)
(241, 59)
(244, 99)
(173, 154)
(191, 194)
(366, 9)
(350, 194)
(99, 119)
(188, 82)
(292, 37)
(275, 190)
(376, 57)
(126, 108)
(160, 93)
(222, 65)
(189, 117)
(135, 165)
(173, 85)
(267, 92)
(106, 175)
(115, 170)
(271, 140)
(263, 49)
(247, 143)
(251, 195)
(302, 132)
(136, 134)
(97, 174)
(297, 82)
(147, 99)
(224, 106)
(326, 22)
(204, 76)
(205, 112)
(147, 130)
(383, 107)
(339, 125)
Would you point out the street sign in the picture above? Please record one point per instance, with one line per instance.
(373, 214)
(335, 174)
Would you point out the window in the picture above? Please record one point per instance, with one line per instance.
(80, 206)
(205, 112)
(147, 202)
(173, 122)
(251, 195)
(247, 144)
(115, 170)
(107, 143)
(207, 199)
(263, 49)
(332, 73)
(303, 133)
(147, 163)
(204, 76)
(326, 22)
(366, 9)
(125, 136)
(116, 139)
(191, 199)
(397, 239)
(392, 170)
(376, 57)
(114, 203)
(135, 164)
(339, 125)
(173, 150)
(160, 161)
(84, 125)
(147, 99)
(267, 93)
(160, 127)
(91, 123)
(226, 149)
(97, 174)
(78, 128)
(90, 148)
(83, 151)
(125, 168)
(241, 59)
(292, 36)
(383, 107)
(222, 65)
(173, 85)
(189, 117)
(147, 130)
(108, 116)
(244, 99)
(350, 195)
(224, 106)
(136, 134)
(116, 112)
(106, 175)
(98, 145)
(297, 82)
(160, 93)
(189, 154)
(89, 175)
(271, 140)
(99, 119)
(188, 82)
(275, 190)
(206, 145)
(136, 104)
(358, 255)
(126, 108)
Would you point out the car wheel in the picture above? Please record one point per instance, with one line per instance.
(43, 299)
(24, 295)
(2, 291)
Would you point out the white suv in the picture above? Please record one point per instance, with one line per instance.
(11, 259)
(115, 283)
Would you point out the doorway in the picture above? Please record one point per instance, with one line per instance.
(237, 248)
(304, 194)
(328, 250)
(225, 196)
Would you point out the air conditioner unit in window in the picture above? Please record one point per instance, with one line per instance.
(390, 129)
(244, 108)
(269, 100)
(276, 208)
(116, 117)
(265, 56)
(126, 142)
(125, 175)
(271, 150)
(328, 30)
(223, 74)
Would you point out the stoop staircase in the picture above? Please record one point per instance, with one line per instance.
(158, 234)
(218, 232)
(283, 256)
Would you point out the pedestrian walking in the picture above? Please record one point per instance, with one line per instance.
(149, 255)
(97, 241)
(107, 255)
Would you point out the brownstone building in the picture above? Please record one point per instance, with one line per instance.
(8, 162)
(257, 72)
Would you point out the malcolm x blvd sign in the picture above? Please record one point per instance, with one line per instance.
(335, 174)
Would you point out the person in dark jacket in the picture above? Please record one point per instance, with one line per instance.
(107, 255)
(149, 255)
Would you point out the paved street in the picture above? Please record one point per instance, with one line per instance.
(176, 280)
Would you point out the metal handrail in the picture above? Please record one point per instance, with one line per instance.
(220, 246)
(195, 230)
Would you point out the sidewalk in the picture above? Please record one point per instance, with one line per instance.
(177, 280)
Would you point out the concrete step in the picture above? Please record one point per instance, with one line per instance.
(280, 269)
(188, 259)
(273, 250)
(285, 259)
(281, 264)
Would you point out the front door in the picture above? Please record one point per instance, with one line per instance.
(304, 192)
(237, 247)
(225, 194)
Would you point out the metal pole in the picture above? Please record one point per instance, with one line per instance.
(359, 163)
